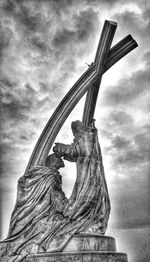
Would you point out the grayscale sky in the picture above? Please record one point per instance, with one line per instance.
(44, 48)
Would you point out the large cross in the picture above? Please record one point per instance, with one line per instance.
(89, 82)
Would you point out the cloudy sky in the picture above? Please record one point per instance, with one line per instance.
(44, 48)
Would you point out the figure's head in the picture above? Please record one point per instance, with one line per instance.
(78, 127)
(54, 160)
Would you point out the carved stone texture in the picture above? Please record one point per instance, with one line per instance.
(78, 257)
(90, 242)
(38, 210)
(89, 204)
(83, 248)
(43, 218)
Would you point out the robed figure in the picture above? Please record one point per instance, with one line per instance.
(89, 203)
(44, 220)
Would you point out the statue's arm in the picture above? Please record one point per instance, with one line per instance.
(69, 152)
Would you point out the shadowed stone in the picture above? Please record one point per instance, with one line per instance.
(78, 257)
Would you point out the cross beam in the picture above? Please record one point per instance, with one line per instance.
(114, 55)
(89, 81)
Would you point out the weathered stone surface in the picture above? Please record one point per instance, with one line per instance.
(90, 242)
(78, 257)
(83, 248)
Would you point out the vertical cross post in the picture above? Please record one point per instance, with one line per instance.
(117, 52)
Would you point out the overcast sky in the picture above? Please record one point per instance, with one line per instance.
(44, 48)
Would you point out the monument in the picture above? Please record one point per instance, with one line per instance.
(45, 226)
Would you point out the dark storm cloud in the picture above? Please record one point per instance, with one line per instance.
(84, 25)
(131, 149)
(22, 13)
(15, 110)
(28, 21)
(121, 118)
(39, 32)
(63, 37)
(38, 43)
(114, 128)
(7, 151)
(17, 129)
(4, 42)
(43, 87)
(21, 109)
(129, 89)
(14, 107)
(139, 24)
(120, 142)
(109, 3)
(133, 157)
(130, 145)
(6, 82)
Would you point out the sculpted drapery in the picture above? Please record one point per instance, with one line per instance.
(43, 218)
(39, 205)
(89, 201)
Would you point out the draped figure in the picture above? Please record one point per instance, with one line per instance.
(39, 205)
(89, 202)
(44, 220)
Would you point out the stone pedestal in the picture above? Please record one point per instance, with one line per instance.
(83, 248)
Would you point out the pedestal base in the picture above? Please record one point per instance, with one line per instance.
(90, 242)
(83, 248)
(78, 257)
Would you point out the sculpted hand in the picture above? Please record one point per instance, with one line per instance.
(58, 149)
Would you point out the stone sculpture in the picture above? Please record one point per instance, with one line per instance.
(89, 202)
(46, 226)
(40, 203)
(43, 218)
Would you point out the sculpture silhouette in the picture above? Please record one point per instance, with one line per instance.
(44, 220)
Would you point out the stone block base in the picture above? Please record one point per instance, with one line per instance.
(78, 257)
(90, 242)
(83, 248)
